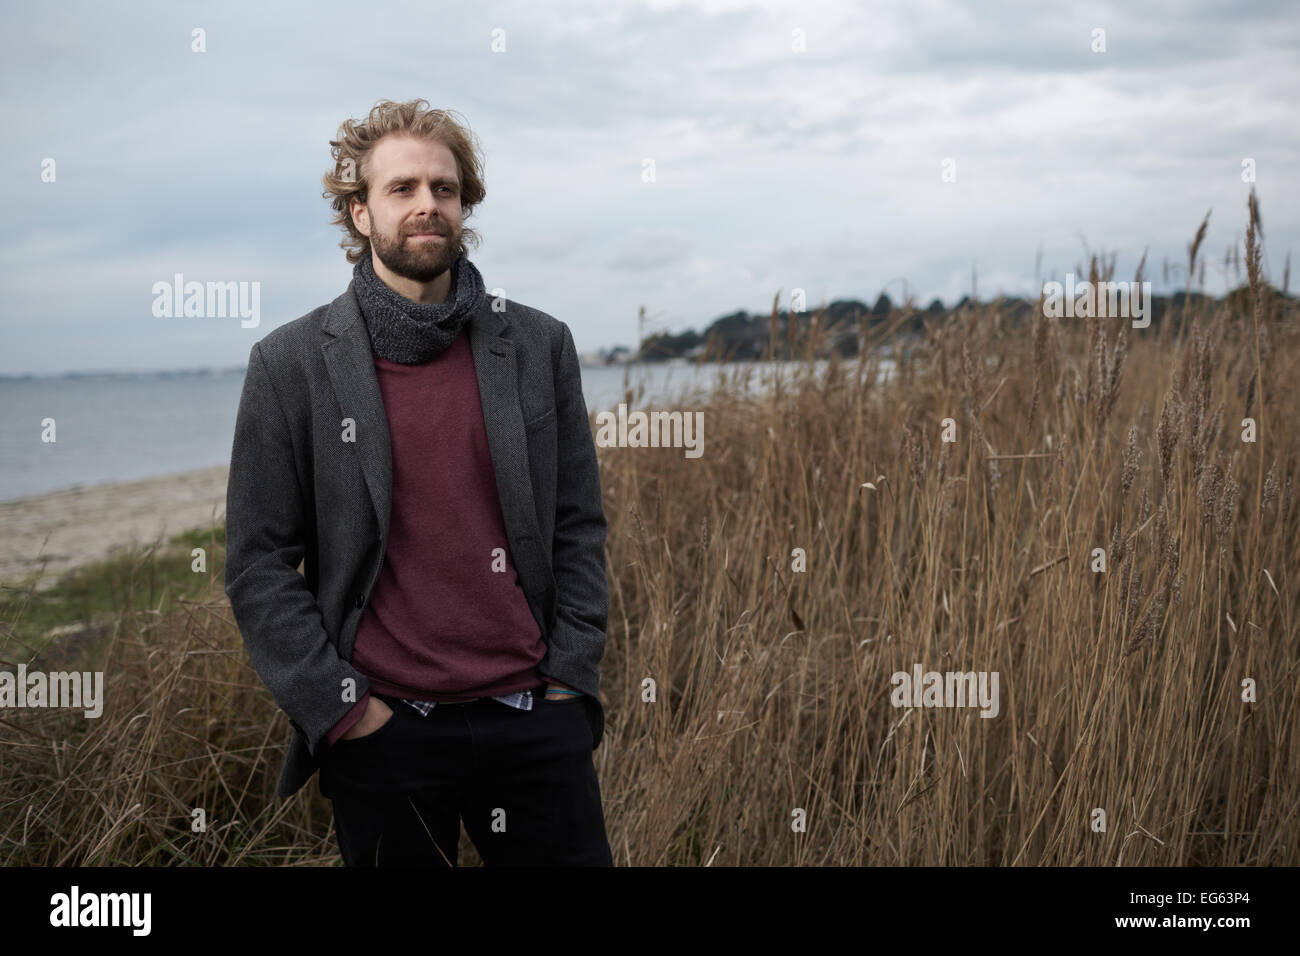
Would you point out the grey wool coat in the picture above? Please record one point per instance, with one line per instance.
(299, 493)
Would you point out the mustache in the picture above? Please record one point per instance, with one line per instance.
(429, 228)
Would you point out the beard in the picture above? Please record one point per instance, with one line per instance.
(420, 260)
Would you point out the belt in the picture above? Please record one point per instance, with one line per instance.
(392, 701)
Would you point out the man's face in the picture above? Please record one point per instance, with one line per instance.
(413, 216)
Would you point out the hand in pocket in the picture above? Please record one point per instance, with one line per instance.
(376, 717)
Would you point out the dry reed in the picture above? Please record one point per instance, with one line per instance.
(1120, 690)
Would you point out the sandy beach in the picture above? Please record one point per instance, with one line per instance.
(66, 529)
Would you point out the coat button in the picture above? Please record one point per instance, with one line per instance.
(361, 600)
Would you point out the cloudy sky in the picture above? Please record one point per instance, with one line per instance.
(794, 145)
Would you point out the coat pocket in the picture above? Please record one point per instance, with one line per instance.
(540, 421)
(356, 743)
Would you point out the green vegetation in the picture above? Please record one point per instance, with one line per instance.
(87, 601)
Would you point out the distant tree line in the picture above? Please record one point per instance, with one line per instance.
(742, 336)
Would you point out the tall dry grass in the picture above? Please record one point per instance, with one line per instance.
(1119, 690)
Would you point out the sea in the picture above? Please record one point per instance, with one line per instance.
(122, 426)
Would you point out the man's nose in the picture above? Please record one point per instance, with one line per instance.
(425, 203)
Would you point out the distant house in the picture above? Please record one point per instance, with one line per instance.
(618, 355)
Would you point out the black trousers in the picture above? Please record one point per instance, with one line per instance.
(522, 781)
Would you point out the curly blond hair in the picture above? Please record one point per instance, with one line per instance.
(356, 140)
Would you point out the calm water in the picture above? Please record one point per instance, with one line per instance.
(119, 427)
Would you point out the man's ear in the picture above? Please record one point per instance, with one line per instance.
(360, 216)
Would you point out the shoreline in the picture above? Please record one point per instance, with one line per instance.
(88, 523)
(68, 529)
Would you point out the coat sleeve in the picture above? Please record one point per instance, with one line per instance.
(267, 524)
(578, 550)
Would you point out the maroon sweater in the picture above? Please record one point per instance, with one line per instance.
(440, 623)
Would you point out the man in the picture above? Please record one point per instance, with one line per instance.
(425, 452)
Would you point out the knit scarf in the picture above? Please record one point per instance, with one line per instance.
(411, 333)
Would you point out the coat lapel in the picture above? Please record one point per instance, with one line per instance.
(503, 417)
(351, 366)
